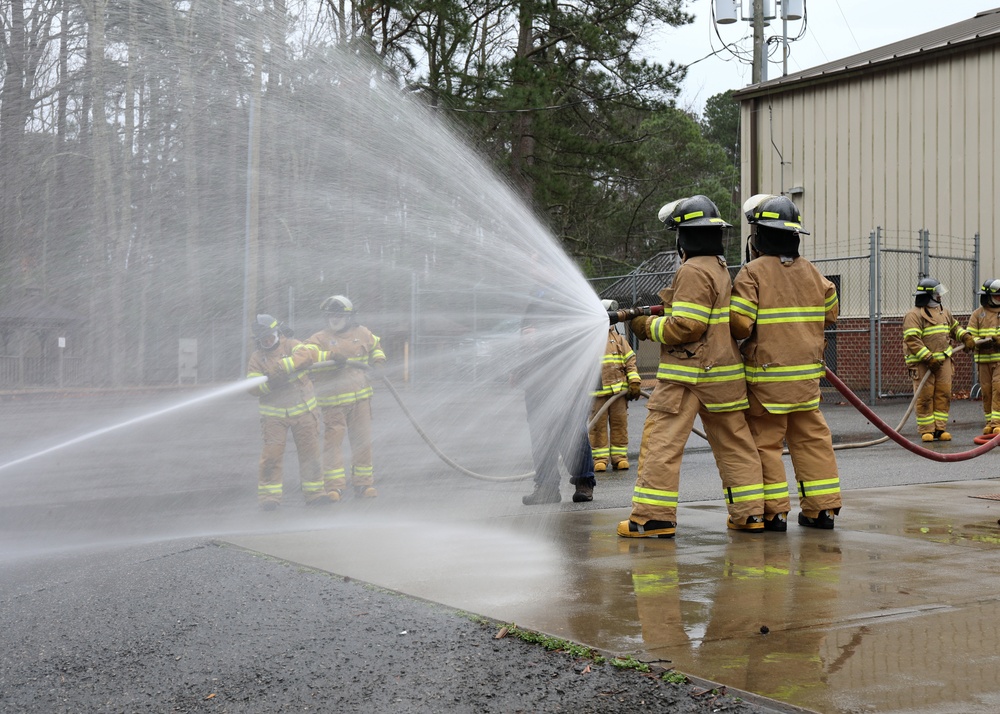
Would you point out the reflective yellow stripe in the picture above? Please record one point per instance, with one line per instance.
(822, 487)
(738, 405)
(742, 494)
(789, 373)
(773, 491)
(780, 408)
(653, 497)
(776, 315)
(338, 400)
(692, 311)
(743, 307)
(698, 375)
(297, 410)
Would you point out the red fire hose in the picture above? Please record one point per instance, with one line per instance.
(902, 440)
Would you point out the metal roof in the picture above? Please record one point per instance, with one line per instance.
(640, 287)
(983, 29)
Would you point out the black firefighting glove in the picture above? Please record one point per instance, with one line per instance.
(634, 391)
(935, 364)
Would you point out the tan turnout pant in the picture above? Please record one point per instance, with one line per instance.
(354, 420)
(934, 400)
(274, 433)
(663, 438)
(615, 419)
(810, 446)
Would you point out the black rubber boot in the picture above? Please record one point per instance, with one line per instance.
(824, 520)
(753, 524)
(777, 522)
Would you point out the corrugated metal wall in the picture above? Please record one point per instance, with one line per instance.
(906, 149)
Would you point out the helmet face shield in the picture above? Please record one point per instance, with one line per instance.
(989, 293)
(269, 341)
(337, 305)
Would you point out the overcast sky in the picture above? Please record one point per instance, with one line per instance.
(832, 29)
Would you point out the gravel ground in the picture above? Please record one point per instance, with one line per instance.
(187, 626)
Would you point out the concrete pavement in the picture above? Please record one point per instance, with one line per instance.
(893, 611)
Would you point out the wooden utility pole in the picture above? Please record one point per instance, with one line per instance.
(759, 73)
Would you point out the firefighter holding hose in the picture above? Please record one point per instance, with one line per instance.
(347, 350)
(984, 326)
(928, 329)
(618, 374)
(286, 402)
(700, 374)
(780, 306)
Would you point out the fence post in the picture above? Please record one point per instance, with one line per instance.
(872, 307)
(925, 252)
(975, 271)
(414, 308)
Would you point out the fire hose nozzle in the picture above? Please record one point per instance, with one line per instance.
(616, 316)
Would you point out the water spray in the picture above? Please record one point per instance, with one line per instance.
(214, 394)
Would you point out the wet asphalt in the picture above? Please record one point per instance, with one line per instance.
(141, 552)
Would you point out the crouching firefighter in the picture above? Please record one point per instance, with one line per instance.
(286, 403)
(700, 374)
(781, 306)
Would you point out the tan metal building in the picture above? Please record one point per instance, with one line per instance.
(905, 137)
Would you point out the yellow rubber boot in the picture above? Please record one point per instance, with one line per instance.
(927, 437)
(600, 466)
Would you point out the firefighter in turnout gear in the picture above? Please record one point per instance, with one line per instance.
(700, 374)
(344, 394)
(928, 329)
(780, 307)
(984, 327)
(618, 374)
(286, 403)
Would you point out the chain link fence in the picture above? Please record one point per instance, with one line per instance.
(875, 289)
(865, 349)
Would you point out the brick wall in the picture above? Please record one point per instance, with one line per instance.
(849, 357)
